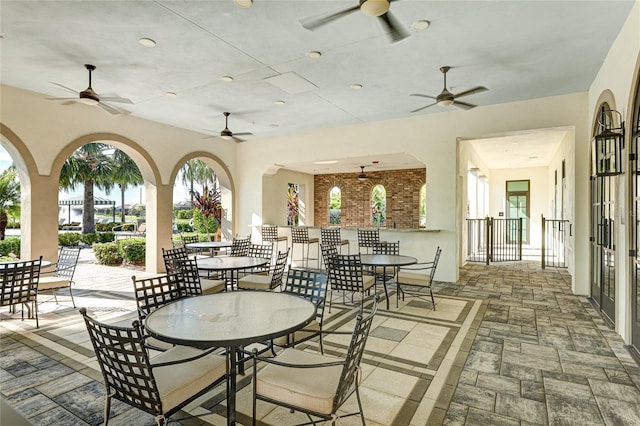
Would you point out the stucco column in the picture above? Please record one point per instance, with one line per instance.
(159, 224)
(39, 218)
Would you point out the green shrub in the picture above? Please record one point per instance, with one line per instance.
(10, 245)
(184, 214)
(132, 250)
(107, 253)
(68, 239)
(89, 239)
(184, 227)
(199, 223)
(13, 225)
(106, 237)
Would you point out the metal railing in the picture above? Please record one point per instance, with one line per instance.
(554, 235)
(494, 240)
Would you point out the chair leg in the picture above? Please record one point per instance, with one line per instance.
(107, 407)
(35, 311)
(433, 302)
(72, 301)
(255, 388)
(360, 404)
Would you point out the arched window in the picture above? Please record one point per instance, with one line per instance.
(335, 206)
(378, 206)
(423, 205)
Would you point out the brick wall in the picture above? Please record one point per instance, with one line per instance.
(403, 197)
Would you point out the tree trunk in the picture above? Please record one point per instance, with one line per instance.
(88, 216)
(122, 188)
(3, 224)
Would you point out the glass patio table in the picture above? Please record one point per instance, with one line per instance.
(386, 261)
(230, 320)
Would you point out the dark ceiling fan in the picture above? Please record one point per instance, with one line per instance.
(446, 98)
(377, 8)
(228, 134)
(90, 97)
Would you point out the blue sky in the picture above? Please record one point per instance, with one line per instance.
(131, 196)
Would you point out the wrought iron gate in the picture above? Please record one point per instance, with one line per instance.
(494, 240)
(554, 235)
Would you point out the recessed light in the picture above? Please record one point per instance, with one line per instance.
(356, 86)
(279, 102)
(314, 54)
(420, 25)
(243, 3)
(147, 42)
(170, 94)
(226, 78)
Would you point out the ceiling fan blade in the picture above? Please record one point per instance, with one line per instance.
(237, 139)
(463, 105)
(112, 110)
(62, 99)
(62, 86)
(242, 134)
(420, 109)
(314, 23)
(396, 31)
(478, 89)
(423, 96)
(116, 99)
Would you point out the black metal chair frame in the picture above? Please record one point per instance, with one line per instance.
(386, 274)
(300, 235)
(65, 269)
(349, 378)
(277, 270)
(20, 286)
(346, 274)
(127, 369)
(270, 235)
(240, 246)
(368, 238)
(414, 290)
(262, 251)
(331, 235)
(311, 285)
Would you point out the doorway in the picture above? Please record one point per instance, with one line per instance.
(518, 208)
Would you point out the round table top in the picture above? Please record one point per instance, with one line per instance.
(230, 319)
(43, 264)
(229, 263)
(387, 260)
(208, 244)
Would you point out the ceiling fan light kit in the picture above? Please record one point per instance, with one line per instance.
(446, 98)
(374, 7)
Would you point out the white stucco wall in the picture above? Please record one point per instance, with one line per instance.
(617, 75)
(431, 138)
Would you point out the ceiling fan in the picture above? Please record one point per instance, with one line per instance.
(362, 176)
(377, 8)
(228, 134)
(446, 98)
(90, 97)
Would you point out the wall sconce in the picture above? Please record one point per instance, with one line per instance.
(608, 146)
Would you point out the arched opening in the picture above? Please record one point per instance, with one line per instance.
(634, 215)
(335, 206)
(423, 205)
(378, 205)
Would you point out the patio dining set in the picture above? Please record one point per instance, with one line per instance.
(212, 313)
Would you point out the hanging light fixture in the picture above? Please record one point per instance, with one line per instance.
(608, 145)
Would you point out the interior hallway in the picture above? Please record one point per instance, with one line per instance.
(509, 344)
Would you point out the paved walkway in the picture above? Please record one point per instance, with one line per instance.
(508, 344)
(541, 355)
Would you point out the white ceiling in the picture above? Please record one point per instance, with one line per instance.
(517, 49)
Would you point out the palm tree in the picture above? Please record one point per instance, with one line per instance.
(88, 166)
(125, 173)
(196, 171)
(9, 197)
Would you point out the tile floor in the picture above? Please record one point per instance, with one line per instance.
(508, 344)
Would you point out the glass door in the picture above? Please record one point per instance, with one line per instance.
(634, 219)
(518, 208)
